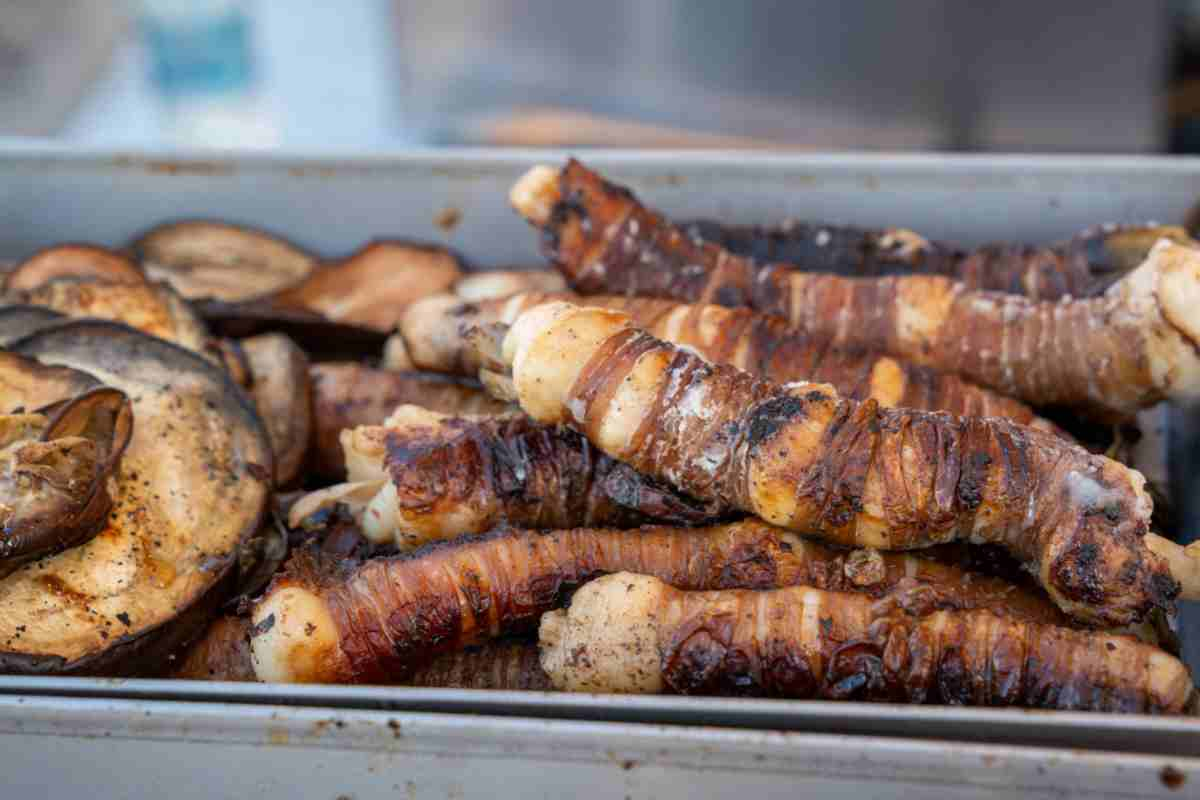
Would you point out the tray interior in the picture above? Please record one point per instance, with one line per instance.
(50, 195)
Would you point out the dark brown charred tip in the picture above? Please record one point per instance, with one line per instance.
(767, 419)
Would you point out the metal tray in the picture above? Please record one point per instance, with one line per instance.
(332, 205)
(54, 747)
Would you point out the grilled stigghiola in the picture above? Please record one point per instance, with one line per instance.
(1082, 265)
(376, 622)
(633, 633)
(348, 394)
(223, 654)
(802, 457)
(1133, 346)
(436, 330)
(424, 476)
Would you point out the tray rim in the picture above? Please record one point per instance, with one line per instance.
(622, 747)
(220, 162)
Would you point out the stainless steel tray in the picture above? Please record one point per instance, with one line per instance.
(332, 205)
(54, 747)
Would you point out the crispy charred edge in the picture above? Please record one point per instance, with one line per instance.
(349, 394)
(1090, 556)
(394, 614)
(1083, 265)
(529, 475)
(952, 657)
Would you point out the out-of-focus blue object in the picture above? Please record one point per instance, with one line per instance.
(203, 50)
(320, 79)
(201, 66)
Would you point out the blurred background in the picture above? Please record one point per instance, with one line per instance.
(363, 75)
(922, 74)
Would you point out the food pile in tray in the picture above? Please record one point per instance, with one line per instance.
(802, 462)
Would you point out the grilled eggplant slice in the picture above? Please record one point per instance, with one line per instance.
(151, 308)
(321, 338)
(192, 488)
(372, 286)
(54, 473)
(73, 261)
(19, 320)
(203, 259)
(282, 394)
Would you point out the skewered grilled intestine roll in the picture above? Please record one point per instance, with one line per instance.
(1109, 356)
(323, 621)
(349, 394)
(437, 330)
(633, 633)
(802, 457)
(424, 476)
(1084, 264)
(223, 654)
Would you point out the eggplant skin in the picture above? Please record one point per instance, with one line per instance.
(282, 393)
(18, 320)
(192, 420)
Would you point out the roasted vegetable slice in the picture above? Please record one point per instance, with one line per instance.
(73, 261)
(54, 474)
(282, 393)
(192, 488)
(323, 339)
(372, 286)
(151, 308)
(212, 259)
